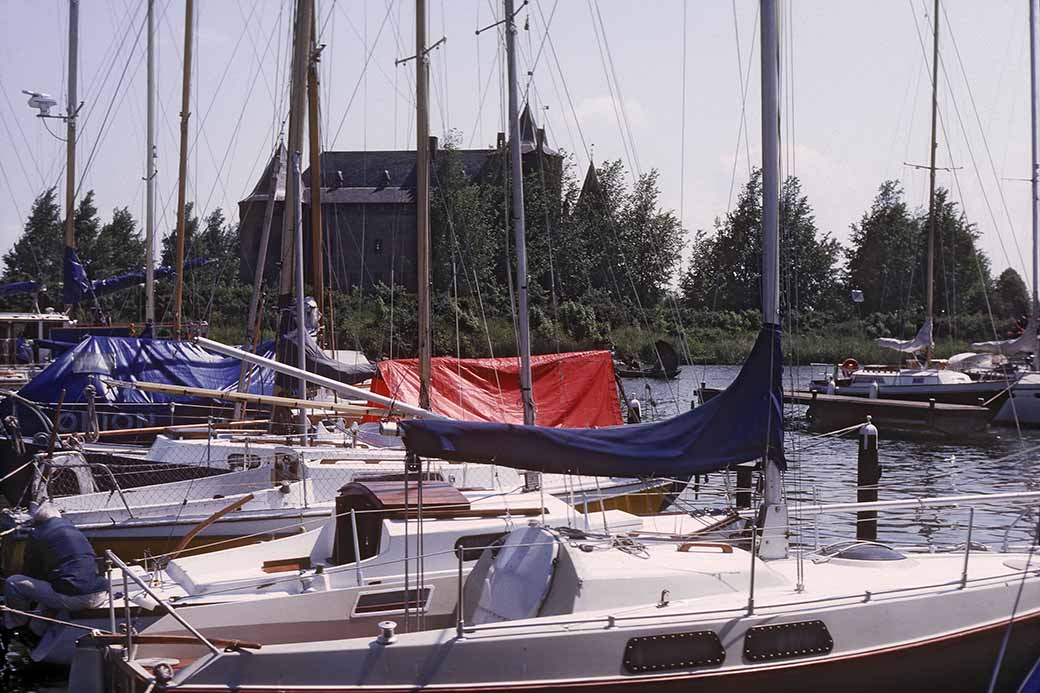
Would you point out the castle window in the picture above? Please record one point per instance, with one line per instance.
(377, 246)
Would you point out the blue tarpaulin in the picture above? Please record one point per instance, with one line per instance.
(15, 288)
(742, 424)
(124, 281)
(75, 285)
(147, 360)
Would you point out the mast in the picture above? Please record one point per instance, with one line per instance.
(422, 199)
(149, 213)
(297, 113)
(773, 512)
(258, 272)
(1036, 184)
(931, 172)
(523, 324)
(301, 327)
(314, 133)
(72, 109)
(182, 170)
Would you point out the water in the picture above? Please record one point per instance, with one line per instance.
(824, 470)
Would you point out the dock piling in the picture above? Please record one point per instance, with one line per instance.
(867, 478)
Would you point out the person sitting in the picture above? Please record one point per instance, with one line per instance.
(59, 575)
(635, 410)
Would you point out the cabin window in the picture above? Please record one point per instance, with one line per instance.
(786, 641)
(673, 651)
(396, 600)
(237, 461)
(473, 546)
(918, 381)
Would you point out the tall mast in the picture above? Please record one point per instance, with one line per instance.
(773, 513)
(314, 133)
(182, 170)
(296, 183)
(1036, 193)
(149, 213)
(516, 161)
(297, 113)
(422, 198)
(70, 128)
(931, 171)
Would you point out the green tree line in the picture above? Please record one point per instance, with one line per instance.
(604, 259)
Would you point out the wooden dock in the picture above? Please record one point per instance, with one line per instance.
(834, 412)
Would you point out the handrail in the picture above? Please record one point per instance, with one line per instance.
(929, 502)
(128, 572)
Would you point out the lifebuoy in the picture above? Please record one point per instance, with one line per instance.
(849, 366)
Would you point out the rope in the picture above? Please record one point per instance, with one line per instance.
(38, 617)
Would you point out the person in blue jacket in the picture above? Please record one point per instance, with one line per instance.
(59, 573)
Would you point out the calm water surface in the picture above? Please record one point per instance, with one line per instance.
(824, 470)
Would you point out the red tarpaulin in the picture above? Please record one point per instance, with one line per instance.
(573, 390)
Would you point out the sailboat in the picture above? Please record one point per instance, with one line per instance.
(958, 381)
(550, 609)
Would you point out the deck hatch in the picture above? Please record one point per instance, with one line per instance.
(673, 651)
(787, 640)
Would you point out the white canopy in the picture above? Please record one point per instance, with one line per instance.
(923, 340)
(1027, 342)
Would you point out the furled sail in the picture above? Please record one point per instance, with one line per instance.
(741, 424)
(1024, 343)
(923, 340)
(16, 288)
(123, 281)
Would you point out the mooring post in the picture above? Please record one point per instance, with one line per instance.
(867, 478)
(744, 486)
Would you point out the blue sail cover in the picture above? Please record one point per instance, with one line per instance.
(124, 281)
(742, 424)
(127, 359)
(75, 285)
(16, 288)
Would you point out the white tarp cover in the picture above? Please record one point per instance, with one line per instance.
(923, 340)
(1024, 343)
(518, 581)
(970, 360)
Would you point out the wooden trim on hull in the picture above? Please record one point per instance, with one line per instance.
(961, 661)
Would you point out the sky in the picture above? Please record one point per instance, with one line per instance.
(659, 84)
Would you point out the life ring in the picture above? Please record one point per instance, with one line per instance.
(849, 366)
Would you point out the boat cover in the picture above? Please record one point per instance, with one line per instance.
(318, 362)
(741, 424)
(922, 340)
(15, 288)
(101, 287)
(128, 359)
(1024, 343)
(75, 285)
(575, 389)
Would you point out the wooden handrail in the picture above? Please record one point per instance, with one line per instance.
(183, 543)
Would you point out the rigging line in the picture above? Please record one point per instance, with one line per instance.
(252, 44)
(362, 37)
(744, 76)
(985, 140)
(108, 112)
(364, 69)
(613, 100)
(946, 135)
(232, 142)
(483, 97)
(617, 89)
(541, 47)
(566, 89)
(25, 140)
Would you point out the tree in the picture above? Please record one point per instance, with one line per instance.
(1010, 298)
(725, 270)
(962, 273)
(650, 241)
(37, 254)
(882, 261)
